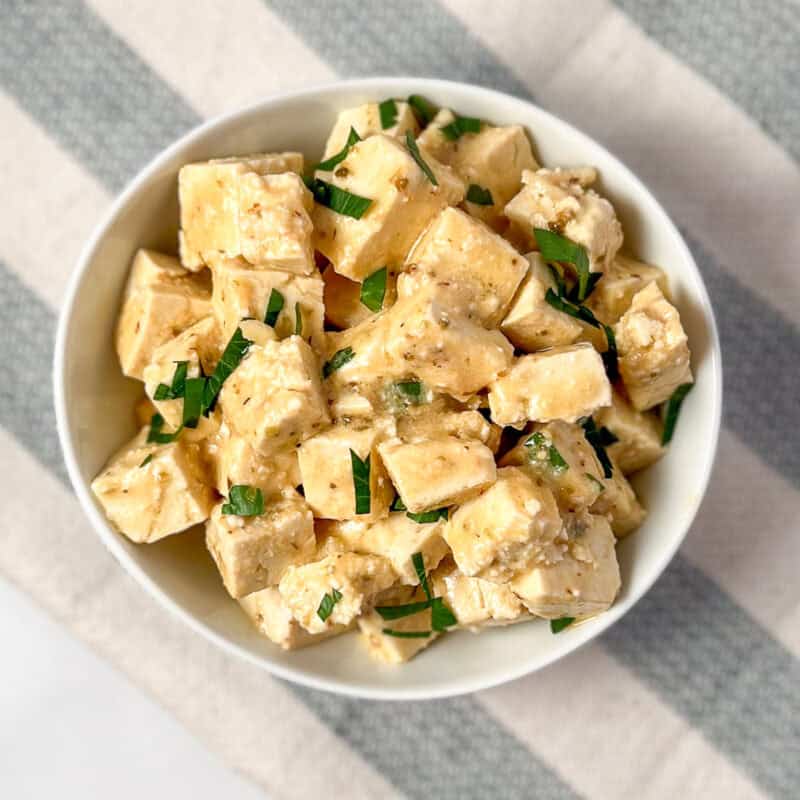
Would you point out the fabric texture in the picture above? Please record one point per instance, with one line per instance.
(696, 693)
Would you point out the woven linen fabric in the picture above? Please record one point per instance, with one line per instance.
(696, 692)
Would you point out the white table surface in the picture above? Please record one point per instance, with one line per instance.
(73, 727)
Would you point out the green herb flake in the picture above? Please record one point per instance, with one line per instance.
(599, 484)
(610, 359)
(407, 634)
(558, 625)
(419, 567)
(423, 109)
(480, 196)
(555, 247)
(331, 163)
(339, 200)
(388, 112)
(298, 320)
(459, 126)
(540, 448)
(244, 501)
(232, 355)
(599, 439)
(337, 361)
(672, 410)
(193, 401)
(361, 483)
(176, 389)
(429, 516)
(329, 600)
(390, 613)
(147, 460)
(274, 307)
(442, 617)
(155, 434)
(398, 504)
(373, 290)
(413, 148)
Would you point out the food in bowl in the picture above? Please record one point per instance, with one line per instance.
(404, 394)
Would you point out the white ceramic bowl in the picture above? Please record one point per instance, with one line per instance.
(94, 401)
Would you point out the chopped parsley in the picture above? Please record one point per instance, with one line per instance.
(555, 247)
(244, 501)
(413, 148)
(558, 625)
(373, 290)
(337, 361)
(672, 410)
(610, 360)
(407, 634)
(388, 112)
(339, 200)
(274, 307)
(429, 516)
(146, 461)
(331, 163)
(176, 388)
(480, 196)
(193, 402)
(329, 600)
(410, 390)
(540, 448)
(298, 320)
(582, 313)
(459, 126)
(419, 567)
(361, 483)
(406, 610)
(599, 439)
(231, 356)
(398, 504)
(155, 433)
(423, 109)
(442, 617)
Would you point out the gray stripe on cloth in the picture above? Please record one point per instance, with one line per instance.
(721, 670)
(749, 51)
(91, 92)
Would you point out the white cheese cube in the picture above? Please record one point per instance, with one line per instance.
(150, 491)
(240, 291)
(256, 207)
(356, 579)
(366, 120)
(531, 322)
(653, 349)
(618, 503)
(559, 200)
(274, 397)
(558, 455)
(613, 293)
(436, 472)
(272, 618)
(403, 202)
(639, 434)
(583, 583)
(424, 422)
(326, 467)
(252, 553)
(161, 300)
(561, 383)
(508, 527)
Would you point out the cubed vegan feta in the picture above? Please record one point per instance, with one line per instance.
(366, 121)
(638, 434)
(612, 295)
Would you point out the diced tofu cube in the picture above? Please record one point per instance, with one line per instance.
(583, 583)
(618, 503)
(385, 647)
(150, 491)
(366, 120)
(559, 200)
(508, 527)
(397, 538)
(436, 472)
(653, 349)
(476, 601)
(241, 292)
(463, 257)
(252, 553)
(357, 580)
(274, 397)
(326, 467)
(531, 322)
(256, 332)
(493, 159)
(199, 346)
(272, 618)
(613, 293)
(558, 454)
(449, 352)
(255, 207)
(561, 383)
(424, 422)
(403, 202)
(638, 434)
(161, 300)
(343, 306)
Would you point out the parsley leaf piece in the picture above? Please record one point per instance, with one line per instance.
(579, 312)
(555, 247)
(459, 126)
(147, 460)
(398, 504)
(373, 290)
(540, 448)
(406, 610)
(339, 200)
(442, 617)
(610, 361)
(361, 483)
(429, 516)
(480, 196)
(411, 391)
(274, 308)
(298, 320)
(599, 439)
(558, 625)
(231, 356)
(329, 600)
(337, 361)
(155, 434)
(176, 389)
(406, 634)
(600, 485)
(413, 148)
(244, 501)
(672, 410)
(423, 109)
(419, 568)
(193, 401)
(388, 111)
(331, 163)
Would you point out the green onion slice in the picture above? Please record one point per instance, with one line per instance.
(373, 290)
(388, 113)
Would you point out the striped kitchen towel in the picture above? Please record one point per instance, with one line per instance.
(696, 693)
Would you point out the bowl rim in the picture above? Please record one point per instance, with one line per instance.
(385, 86)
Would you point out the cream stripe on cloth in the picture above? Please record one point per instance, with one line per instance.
(695, 691)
